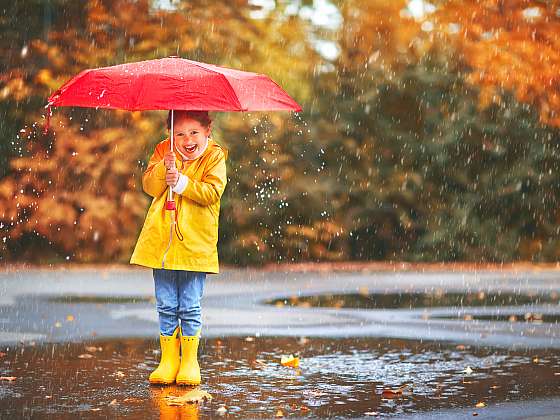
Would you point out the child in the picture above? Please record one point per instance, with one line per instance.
(197, 176)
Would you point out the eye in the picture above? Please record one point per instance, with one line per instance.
(194, 132)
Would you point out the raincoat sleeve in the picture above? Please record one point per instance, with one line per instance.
(210, 189)
(153, 179)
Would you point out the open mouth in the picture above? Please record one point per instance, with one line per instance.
(191, 148)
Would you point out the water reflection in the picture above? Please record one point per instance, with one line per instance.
(172, 412)
(438, 298)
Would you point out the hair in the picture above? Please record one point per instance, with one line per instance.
(201, 116)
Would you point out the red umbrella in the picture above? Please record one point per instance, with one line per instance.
(172, 83)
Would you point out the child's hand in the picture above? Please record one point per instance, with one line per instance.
(169, 160)
(171, 177)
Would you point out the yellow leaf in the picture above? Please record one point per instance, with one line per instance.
(480, 405)
(290, 361)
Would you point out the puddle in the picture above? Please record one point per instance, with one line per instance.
(418, 300)
(336, 377)
(529, 317)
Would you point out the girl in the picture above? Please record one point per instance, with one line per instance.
(181, 245)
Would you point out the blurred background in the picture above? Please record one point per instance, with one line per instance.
(429, 131)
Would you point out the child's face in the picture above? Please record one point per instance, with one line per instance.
(190, 137)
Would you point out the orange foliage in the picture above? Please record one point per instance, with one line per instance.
(509, 45)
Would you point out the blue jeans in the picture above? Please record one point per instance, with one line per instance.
(178, 295)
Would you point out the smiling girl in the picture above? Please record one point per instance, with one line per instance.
(181, 245)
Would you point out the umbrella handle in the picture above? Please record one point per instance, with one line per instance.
(170, 204)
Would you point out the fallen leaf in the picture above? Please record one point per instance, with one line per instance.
(250, 339)
(290, 361)
(195, 395)
(221, 411)
(389, 393)
(57, 324)
(467, 370)
(460, 347)
(480, 405)
(512, 318)
(279, 413)
(468, 317)
(93, 349)
(8, 378)
(371, 413)
(536, 360)
(303, 340)
(258, 364)
(114, 402)
(475, 414)
(119, 373)
(69, 318)
(95, 409)
(85, 356)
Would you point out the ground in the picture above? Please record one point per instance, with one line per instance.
(89, 337)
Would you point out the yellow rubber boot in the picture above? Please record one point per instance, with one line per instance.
(189, 372)
(170, 359)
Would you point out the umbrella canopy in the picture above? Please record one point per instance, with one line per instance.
(172, 83)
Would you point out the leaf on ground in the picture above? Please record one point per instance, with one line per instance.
(259, 363)
(279, 413)
(85, 356)
(480, 405)
(70, 318)
(221, 411)
(389, 393)
(8, 378)
(93, 349)
(467, 370)
(290, 361)
(114, 402)
(193, 396)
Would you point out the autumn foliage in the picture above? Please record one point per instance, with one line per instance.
(431, 134)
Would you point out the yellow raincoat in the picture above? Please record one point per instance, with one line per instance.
(198, 210)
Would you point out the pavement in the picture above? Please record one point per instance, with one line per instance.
(36, 305)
